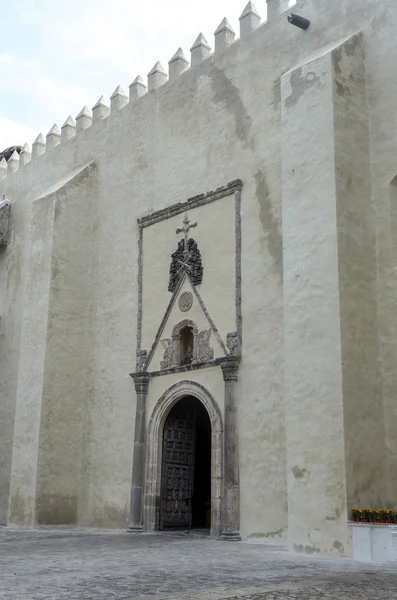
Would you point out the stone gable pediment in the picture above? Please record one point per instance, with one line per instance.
(186, 309)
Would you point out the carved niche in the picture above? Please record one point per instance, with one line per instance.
(188, 346)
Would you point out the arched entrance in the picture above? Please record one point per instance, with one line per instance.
(172, 414)
(185, 501)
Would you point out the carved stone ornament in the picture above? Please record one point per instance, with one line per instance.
(232, 343)
(5, 213)
(187, 258)
(168, 354)
(186, 261)
(141, 382)
(230, 368)
(185, 301)
(141, 358)
(204, 353)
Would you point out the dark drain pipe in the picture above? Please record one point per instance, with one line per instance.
(298, 21)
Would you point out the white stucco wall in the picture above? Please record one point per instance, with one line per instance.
(216, 122)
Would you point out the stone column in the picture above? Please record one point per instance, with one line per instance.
(141, 381)
(231, 490)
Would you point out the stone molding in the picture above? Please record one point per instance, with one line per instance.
(210, 321)
(230, 368)
(181, 325)
(234, 189)
(154, 446)
(194, 202)
(216, 362)
(166, 315)
(141, 382)
(239, 314)
(187, 368)
(139, 281)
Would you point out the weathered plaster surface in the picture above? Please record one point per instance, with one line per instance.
(304, 120)
(65, 399)
(313, 369)
(22, 505)
(364, 421)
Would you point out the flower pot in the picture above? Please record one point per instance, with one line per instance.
(374, 542)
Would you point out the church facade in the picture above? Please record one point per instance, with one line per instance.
(198, 291)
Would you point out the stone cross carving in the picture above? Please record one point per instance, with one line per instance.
(187, 226)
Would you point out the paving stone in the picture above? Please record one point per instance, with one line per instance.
(60, 564)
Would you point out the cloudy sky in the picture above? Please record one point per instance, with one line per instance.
(57, 55)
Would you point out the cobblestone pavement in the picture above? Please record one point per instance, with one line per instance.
(60, 564)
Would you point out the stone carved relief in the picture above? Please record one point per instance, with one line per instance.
(187, 258)
(185, 302)
(166, 363)
(141, 359)
(232, 343)
(203, 351)
(186, 261)
(5, 213)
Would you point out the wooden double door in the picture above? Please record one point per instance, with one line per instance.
(181, 465)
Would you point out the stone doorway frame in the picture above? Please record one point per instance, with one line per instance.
(154, 450)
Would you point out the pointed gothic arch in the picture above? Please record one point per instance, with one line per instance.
(154, 446)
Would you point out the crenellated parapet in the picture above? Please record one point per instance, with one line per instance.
(178, 65)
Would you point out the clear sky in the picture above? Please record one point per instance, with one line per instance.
(58, 55)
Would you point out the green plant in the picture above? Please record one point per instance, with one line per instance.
(369, 515)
